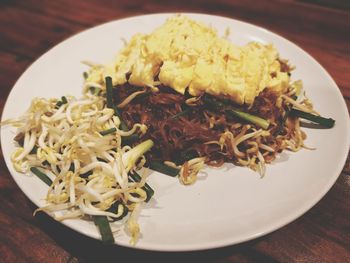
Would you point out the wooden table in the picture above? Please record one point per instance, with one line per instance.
(30, 27)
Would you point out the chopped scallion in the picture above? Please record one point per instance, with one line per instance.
(163, 168)
(109, 92)
(326, 122)
(43, 177)
(137, 178)
(219, 105)
(249, 118)
(105, 229)
(109, 131)
(110, 104)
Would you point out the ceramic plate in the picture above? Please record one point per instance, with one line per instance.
(226, 205)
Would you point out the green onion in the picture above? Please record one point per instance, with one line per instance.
(34, 150)
(64, 100)
(86, 175)
(116, 207)
(249, 118)
(109, 92)
(163, 168)
(137, 178)
(71, 167)
(326, 122)
(219, 105)
(110, 103)
(105, 229)
(61, 102)
(109, 131)
(85, 75)
(41, 175)
(94, 90)
(128, 140)
(109, 97)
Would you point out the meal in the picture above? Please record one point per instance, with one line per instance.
(172, 101)
(204, 99)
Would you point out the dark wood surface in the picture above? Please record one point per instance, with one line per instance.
(30, 27)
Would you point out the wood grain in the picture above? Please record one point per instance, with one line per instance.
(28, 28)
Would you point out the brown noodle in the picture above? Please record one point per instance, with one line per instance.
(182, 132)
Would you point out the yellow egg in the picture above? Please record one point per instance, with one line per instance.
(184, 53)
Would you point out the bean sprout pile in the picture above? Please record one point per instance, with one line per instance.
(77, 143)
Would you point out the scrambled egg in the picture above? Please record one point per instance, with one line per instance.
(184, 53)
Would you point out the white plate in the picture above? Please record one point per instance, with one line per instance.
(231, 204)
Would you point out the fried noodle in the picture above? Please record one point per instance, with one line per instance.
(185, 128)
